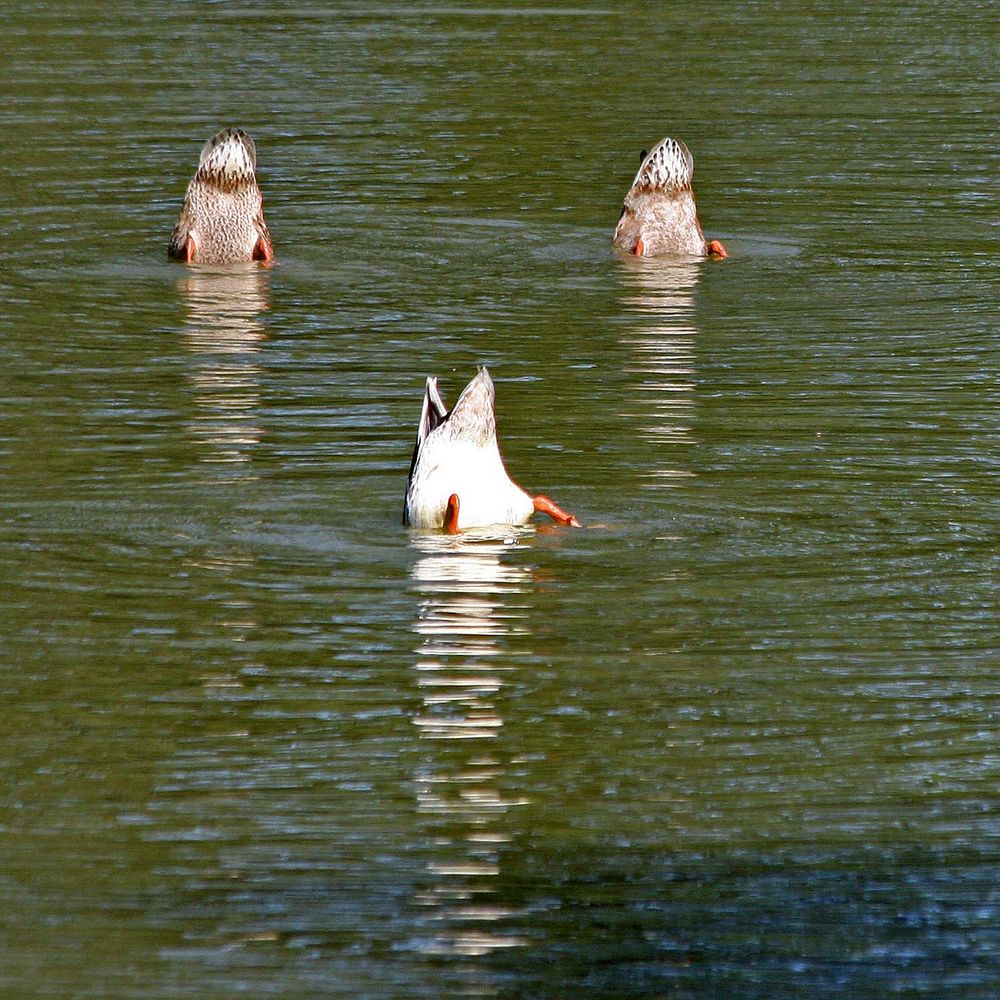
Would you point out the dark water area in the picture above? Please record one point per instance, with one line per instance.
(738, 736)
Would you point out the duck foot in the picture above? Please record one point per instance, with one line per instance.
(545, 506)
(263, 250)
(451, 515)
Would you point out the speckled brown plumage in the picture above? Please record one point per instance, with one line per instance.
(659, 215)
(222, 219)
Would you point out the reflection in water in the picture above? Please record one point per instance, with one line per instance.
(470, 603)
(660, 294)
(224, 333)
(229, 618)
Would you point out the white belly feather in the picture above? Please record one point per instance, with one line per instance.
(477, 475)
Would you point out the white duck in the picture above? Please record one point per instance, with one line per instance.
(222, 220)
(457, 478)
(659, 214)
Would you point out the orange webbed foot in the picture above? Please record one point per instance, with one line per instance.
(263, 250)
(451, 515)
(545, 506)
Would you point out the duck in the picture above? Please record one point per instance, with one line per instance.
(222, 219)
(457, 477)
(659, 215)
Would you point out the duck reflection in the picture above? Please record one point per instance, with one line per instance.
(471, 603)
(229, 618)
(224, 333)
(659, 293)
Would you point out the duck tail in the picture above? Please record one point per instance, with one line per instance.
(668, 167)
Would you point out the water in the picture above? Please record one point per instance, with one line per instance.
(737, 736)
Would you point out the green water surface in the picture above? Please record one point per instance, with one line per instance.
(737, 737)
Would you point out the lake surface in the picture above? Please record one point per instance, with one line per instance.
(736, 737)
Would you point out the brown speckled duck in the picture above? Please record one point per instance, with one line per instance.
(659, 215)
(222, 221)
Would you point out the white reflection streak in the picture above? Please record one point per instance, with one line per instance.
(469, 604)
(223, 333)
(661, 294)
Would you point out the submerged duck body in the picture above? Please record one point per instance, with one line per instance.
(457, 477)
(222, 220)
(659, 215)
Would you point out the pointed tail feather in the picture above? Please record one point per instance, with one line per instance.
(668, 167)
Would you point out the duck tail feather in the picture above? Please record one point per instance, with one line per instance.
(668, 167)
